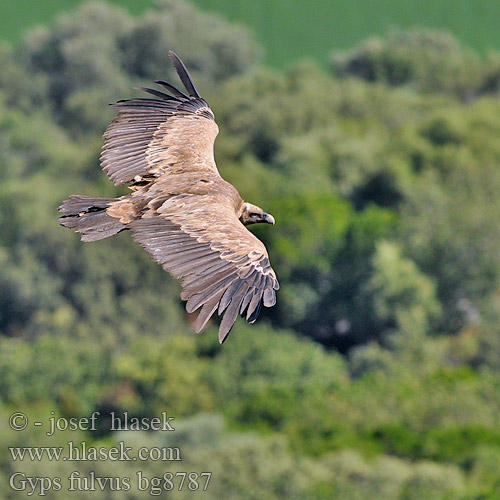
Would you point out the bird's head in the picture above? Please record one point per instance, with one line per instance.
(252, 214)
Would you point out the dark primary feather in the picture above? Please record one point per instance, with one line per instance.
(157, 93)
(183, 74)
(172, 89)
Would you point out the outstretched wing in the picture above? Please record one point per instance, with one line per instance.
(223, 266)
(152, 137)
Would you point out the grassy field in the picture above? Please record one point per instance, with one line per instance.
(295, 29)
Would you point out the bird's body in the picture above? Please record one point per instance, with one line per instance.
(181, 210)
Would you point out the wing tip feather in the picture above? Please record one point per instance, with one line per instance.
(224, 334)
(183, 74)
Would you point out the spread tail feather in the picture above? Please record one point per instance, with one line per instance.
(87, 215)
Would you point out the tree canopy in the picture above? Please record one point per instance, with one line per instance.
(376, 373)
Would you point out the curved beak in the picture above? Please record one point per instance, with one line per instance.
(268, 218)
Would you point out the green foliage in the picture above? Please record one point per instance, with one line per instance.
(29, 375)
(389, 478)
(312, 225)
(270, 378)
(267, 382)
(456, 197)
(403, 297)
(426, 60)
(321, 289)
(162, 373)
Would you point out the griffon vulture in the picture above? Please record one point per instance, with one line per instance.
(181, 210)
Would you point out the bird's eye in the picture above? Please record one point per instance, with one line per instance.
(254, 215)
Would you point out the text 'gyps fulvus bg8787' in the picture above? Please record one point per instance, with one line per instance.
(181, 210)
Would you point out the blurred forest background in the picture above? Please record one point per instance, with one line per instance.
(377, 375)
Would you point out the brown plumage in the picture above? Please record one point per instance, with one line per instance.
(181, 210)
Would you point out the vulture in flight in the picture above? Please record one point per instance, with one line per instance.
(180, 210)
